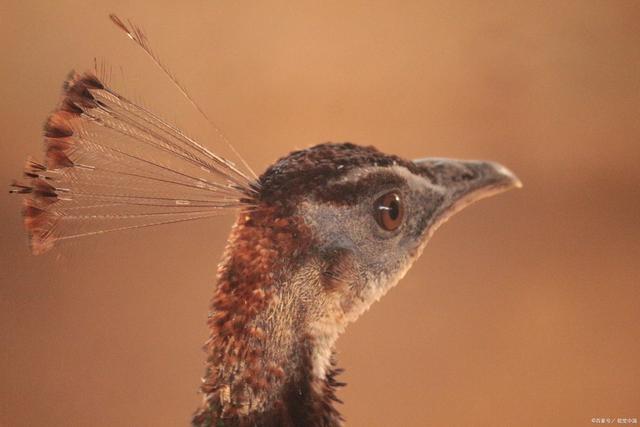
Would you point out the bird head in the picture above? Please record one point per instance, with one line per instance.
(363, 217)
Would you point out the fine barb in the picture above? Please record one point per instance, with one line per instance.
(137, 35)
(112, 165)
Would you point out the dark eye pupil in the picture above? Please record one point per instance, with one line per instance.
(394, 210)
(389, 211)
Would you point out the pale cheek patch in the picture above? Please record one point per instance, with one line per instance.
(328, 222)
(327, 330)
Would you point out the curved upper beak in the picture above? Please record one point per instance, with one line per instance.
(466, 181)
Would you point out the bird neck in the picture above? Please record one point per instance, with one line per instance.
(262, 365)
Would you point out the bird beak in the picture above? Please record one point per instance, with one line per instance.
(463, 182)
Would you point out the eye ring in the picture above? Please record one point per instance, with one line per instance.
(388, 211)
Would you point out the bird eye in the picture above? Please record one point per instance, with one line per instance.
(388, 211)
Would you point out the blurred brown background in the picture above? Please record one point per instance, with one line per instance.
(523, 310)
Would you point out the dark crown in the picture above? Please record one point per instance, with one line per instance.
(305, 172)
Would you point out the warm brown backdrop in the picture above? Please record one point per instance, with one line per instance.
(523, 311)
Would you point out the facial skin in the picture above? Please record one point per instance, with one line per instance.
(373, 259)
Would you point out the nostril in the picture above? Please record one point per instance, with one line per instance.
(463, 173)
(468, 175)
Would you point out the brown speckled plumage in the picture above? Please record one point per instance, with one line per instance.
(260, 246)
(266, 243)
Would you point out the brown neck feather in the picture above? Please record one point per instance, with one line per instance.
(259, 367)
